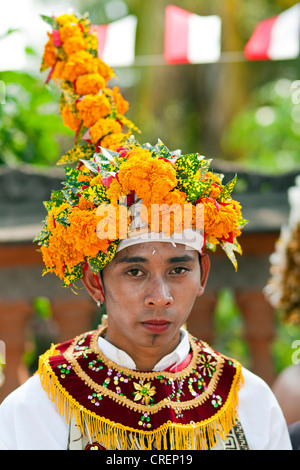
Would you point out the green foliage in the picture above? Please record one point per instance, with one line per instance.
(282, 349)
(229, 328)
(266, 135)
(31, 129)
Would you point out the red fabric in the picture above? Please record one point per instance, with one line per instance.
(176, 35)
(258, 45)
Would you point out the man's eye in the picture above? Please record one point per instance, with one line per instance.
(179, 270)
(135, 272)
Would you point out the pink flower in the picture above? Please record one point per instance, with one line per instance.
(56, 38)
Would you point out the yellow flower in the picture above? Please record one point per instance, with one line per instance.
(74, 44)
(69, 119)
(91, 42)
(89, 83)
(115, 191)
(143, 392)
(66, 18)
(92, 108)
(104, 127)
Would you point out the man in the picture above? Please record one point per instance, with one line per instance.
(141, 382)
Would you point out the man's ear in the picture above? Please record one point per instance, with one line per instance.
(204, 269)
(93, 284)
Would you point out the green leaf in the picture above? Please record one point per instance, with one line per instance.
(57, 198)
(194, 189)
(204, 167)
(63, 217)
(72, 275)
(187, 165)
(42, 237)
(51, 21)
(95, 194)
(72, 177)
(227, 190)
(162, 150)
(229, 249)
(100, 261)
(71, 198)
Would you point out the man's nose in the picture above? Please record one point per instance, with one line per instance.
(159, 295)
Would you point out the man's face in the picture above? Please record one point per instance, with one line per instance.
(149, 292)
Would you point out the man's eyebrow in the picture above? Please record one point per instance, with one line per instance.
(181, 259)
(140, 259)
(132, 259)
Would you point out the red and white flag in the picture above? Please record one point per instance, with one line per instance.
(190, 38)
(276, 38)
(116, 41)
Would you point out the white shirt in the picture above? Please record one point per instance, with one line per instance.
(29, 421)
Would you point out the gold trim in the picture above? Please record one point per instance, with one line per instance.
(165, 403)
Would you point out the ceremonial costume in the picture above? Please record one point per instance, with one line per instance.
(29, 420)
(88, 393)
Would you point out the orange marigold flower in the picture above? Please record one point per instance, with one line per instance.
(115, 191)
(89, 83)
(50, 55)
(82, 231)
(215, 190)
(74, 44)
(84, 204)
(121, 104)
(69, 119)
(151, 178)
(58, 70)
(60, 251)
(104, 127)
(79, 63)
(68, 31)
(169, 215)
(114, 141)
(92, 108)
(104, 69)
(221, 219)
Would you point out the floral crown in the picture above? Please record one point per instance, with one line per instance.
(88, 106)
(89, 216)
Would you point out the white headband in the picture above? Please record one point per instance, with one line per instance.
(192, 239)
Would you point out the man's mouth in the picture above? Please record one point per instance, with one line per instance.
(156, 326)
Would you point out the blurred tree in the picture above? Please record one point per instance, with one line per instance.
(266, 134)
(31, 129)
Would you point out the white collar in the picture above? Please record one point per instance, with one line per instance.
(123, 359)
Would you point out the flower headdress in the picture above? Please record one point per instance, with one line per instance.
(88, 106)
(93, 212)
